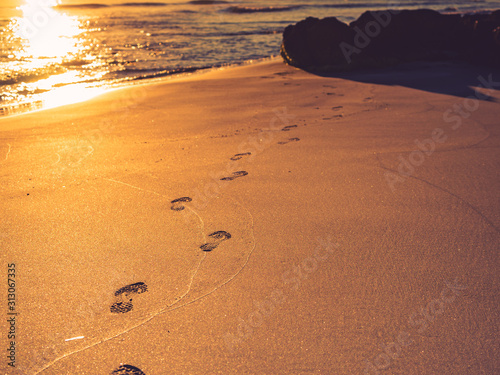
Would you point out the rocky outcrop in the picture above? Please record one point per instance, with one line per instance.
(384, 38)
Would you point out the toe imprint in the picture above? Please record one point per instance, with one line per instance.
(218, 236)
(136, 288)
(127, 370)
(235, 175)
(177, 203)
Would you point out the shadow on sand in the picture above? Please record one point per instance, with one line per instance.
(448, 78)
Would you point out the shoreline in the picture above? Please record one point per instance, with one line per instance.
(16, 109)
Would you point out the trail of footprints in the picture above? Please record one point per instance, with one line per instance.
(125, 295)
(287, 129)
(124, 300)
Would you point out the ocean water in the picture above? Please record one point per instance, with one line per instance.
(58, 51)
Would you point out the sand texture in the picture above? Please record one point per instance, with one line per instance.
(319, 225)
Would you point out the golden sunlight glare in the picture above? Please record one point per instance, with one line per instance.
(48, 40)
(48, 33)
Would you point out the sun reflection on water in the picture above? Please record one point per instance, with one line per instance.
(48, 33)
(50, 43)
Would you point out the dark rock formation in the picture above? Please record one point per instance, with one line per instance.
(384, 38)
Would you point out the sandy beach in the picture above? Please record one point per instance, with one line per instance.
(341, 224)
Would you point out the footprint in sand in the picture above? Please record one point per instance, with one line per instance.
(127, 370)
(239, 156)
(288, 128)
(288, 141)
(235, 175)
(218, 237)
(177, 203)
(334, 117)
(125, 303)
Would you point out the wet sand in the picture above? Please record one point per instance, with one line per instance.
(258, 220)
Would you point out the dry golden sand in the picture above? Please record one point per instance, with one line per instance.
(351, 251)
